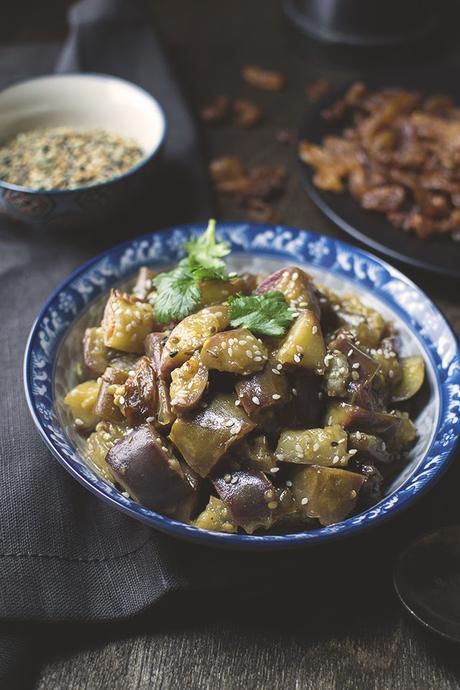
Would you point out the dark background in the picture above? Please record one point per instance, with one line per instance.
(350, 632)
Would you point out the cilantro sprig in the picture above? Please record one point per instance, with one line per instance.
(178, 291)
(265, 314)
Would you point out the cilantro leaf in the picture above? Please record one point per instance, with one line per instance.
(178, 295)
(178, 291)
(204, 251)
(265, 314)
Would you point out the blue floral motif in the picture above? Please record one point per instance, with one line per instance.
(365, 271)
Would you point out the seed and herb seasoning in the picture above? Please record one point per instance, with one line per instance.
(65, 158)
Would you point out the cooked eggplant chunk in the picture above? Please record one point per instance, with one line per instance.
(363, 368)
(256, 452)
(95, 352)
(304, 345)
(369, 448)
(365, 323)
(326, 493)
(203, 437)
(190, 335)
(371, 490)
(412, 377)
(250, 497)
(81, 401)
(281, 406)
(188, 384)
(154, 348)
(100, 442)
(148, 470)
(237, 352)
(140, 394)
(215, 517)
(324, 447)
(296, 286)
(218, 291)
(126, 322)
(355, 418)
(263, 390)
(405, 434)
(110, 392)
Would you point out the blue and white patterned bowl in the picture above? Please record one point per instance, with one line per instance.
(54, 348)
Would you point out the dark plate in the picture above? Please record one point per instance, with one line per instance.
(439, 255)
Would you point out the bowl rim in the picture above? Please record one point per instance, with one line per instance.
(345, 528)
(145, 160)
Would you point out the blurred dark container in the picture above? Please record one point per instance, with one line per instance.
(365, 22)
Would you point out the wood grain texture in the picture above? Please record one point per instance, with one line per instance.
(355, 635)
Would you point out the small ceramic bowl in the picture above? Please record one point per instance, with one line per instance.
(81, 101)
(54, 352)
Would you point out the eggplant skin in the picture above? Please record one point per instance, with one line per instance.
(205, 435)
(149, 472)
(250, 498)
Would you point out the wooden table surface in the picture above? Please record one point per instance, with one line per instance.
(356, 638)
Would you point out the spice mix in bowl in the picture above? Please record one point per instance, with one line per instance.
(76, 148)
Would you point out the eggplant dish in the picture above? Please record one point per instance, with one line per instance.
(243, 402)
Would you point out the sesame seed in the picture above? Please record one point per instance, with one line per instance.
(257, 359)
(276, 396)
(237, 402)
(358, 434)
(164, 448)
(121, 400)
(298, 448)
(279, 456)
(229, 422)
(353, 451)
(255, 400)
(131, 372)
(149, 420)
(294, 391)
(355, 365)
(316, 446)
(227, 478)
(279, 366)
(335, 459)
(304, 501)
(355, 375)
(249, 354)
(234, 480)
(274, 470)
(314, 330)
(288, 482)
(272, 505)
(79, 422)
(297, 358)
(391, 373)
(349, 353)
(353, 494)
(275, 371)
(294, 276)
